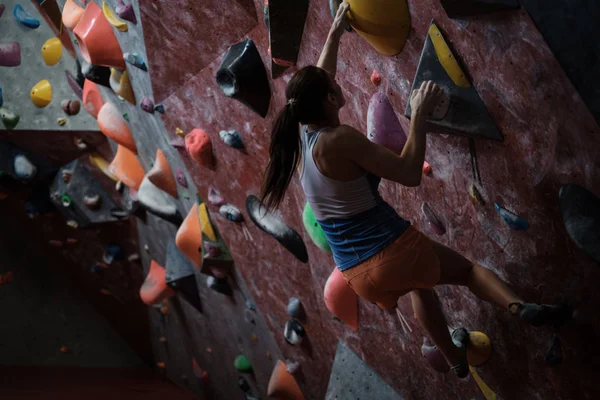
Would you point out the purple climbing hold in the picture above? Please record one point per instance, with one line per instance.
(434, 357)
(136, 60)
(178, 142)
(125, 11)
(212, 251)
(71, 107)
(232, 213)
(78, 90)
(383, 126)
(512, 220)
(434, 222)
(181, 179)
(10, 54)
(214, 197)
(292, 366)
(147, 105)
(2, 8)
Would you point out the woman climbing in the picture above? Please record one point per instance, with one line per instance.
(381, 255)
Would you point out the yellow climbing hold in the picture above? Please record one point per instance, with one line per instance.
(52, 51)
(62, 121)
(446, 58)
(102, 164)
(205, 224)
(179, 132)
(480, 348)
(41, 94)
(112, 18)
(485, 389)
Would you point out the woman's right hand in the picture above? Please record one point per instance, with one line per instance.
(424, 100)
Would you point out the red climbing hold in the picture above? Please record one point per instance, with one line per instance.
(282, 384)
(375, 78)
(199, 147)
(426, 168)
(198, 372)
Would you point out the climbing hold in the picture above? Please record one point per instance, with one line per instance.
(292, 367)
(72, 241)
(199, 147)
(120, 84)
(375, 78)
(147, 105)
(7, 278)
(232, 213)
(479, 349)
(294, 332)
(24, 169)
(66, 201)
(100, 162)
(71, 107)
(160, 108)
(272, 224)
(383, 126)
(25, 18)
(92, 99)
(41, 94)
(189, 237)
(127, 168)
(112, 18)
(434, 357)
(162, 339)
(181, 179)
(295, 309)
(205, 224)
(125, 11)
(434, 222)
(178, 142)
(67, 175)
(314, 230)
(55, 243)
(475, 195)
(179, 132)
(2, 8)
(161, 174)
(512, 220)
(426, 168)
(157, 202)
(97, 268)
(114, 126)
(1, 97)
(9, 118)
(580, 211)
(10, 54)
(160, 364)
(198, 372)
(441, 108)
(219, 285)
(286, 25)
(52, 51)
(462, 8)
(137, 61)
(65, 350)
(71, 14)
(215, 198)
(72, 224)
(78, 90)
(181, 275)
(243, 384)
(155, 289)
(133, 257)
(97, 41)
(242, 76)
(554, 355)
(96, 73)
(282, 385)
(341, 300)
(232, 139)
(212, 251)
(92, 201)
(242, 364)
(467, 115)
(113, 252)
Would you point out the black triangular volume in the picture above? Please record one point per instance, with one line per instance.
(180, 275)
(286, 25)
(580, 210)
(274, 226)
(466, 8)
(467, 114)
(242, 76)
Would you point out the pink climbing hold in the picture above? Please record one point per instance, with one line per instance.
(375, 78)
(283, 63)
(434, 222)
(199, 147)
(147, 105)
(10, 54)
(125, 11)
(383, 126)
(341, 300)
(215, 198)
(181, 179)
(426, 168)
(434, 357)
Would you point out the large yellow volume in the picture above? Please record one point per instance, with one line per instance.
(385, 24)
(446, 58)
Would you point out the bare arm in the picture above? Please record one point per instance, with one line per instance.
(329, 55)
(405, 168)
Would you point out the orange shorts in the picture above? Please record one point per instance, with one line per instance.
(409, 263)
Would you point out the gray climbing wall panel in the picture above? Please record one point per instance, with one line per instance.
(352, 379)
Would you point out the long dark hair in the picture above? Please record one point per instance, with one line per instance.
(305, 95)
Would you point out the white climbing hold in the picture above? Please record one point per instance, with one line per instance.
(155, 199)
(24, 169)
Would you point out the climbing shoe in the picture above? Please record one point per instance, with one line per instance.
(542, 314)
(460, 337)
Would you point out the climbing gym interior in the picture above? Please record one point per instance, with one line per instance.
(138, 259)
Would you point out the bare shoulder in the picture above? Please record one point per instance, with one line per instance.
(343, 136)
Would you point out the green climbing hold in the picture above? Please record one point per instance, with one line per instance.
(314, 229)
(66, 201)
(9, 118)
(242, 364)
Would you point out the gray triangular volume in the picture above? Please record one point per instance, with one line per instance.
(580, 210)
(180, 275)
(465, 8)
(351, 378)
(467, 115)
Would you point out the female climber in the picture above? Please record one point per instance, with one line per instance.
(381, 255)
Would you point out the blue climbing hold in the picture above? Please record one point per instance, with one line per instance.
(113, 252)
(136, 60)
(160, 108)
(513, 221)
(25, 18)
(232, 139)
(232, 213)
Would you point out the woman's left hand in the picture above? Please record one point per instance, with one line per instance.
(340, 23)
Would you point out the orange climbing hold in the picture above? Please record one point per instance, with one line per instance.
(199, 147)
(341, 300)
(161, 174)
(114, 126)
(127, 168)
(92, 99)
(426, 168)
(189, 237)
(198, 372)
(71, 14)
(283, 385)
(155, 288)
(65, 350)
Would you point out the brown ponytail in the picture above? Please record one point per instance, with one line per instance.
(305, 95)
